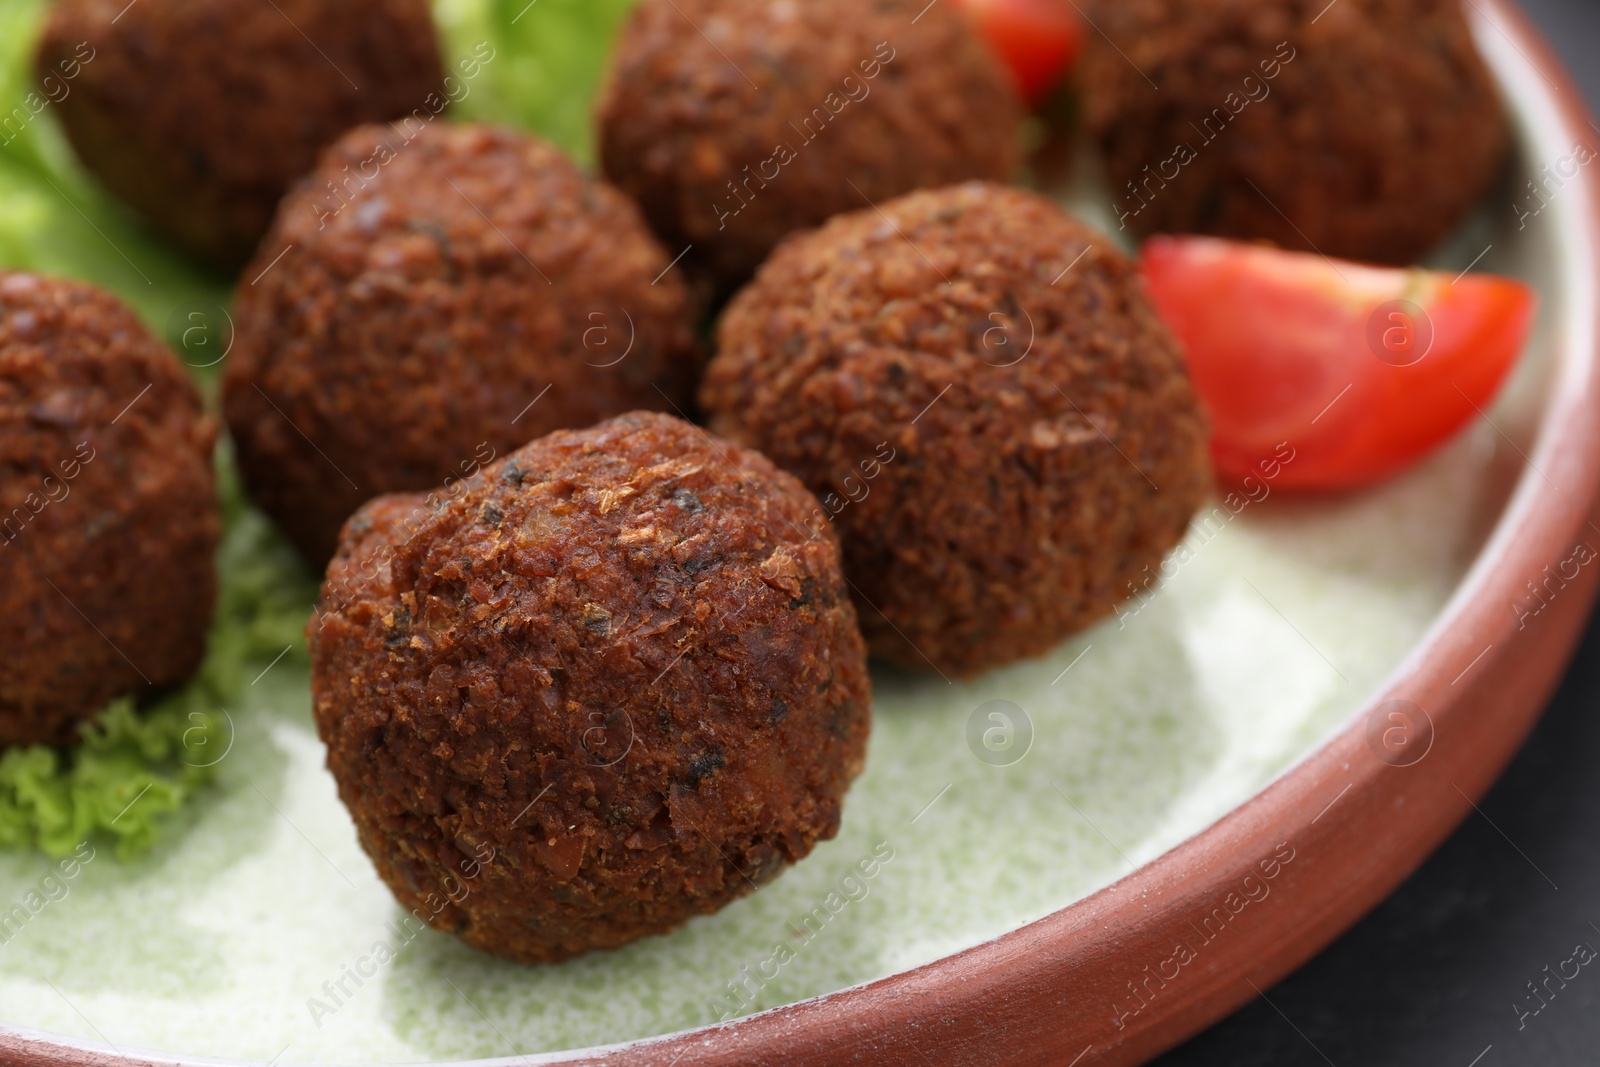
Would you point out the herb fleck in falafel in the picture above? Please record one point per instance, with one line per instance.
(108, 509)
(1367, 129)
(735, 123)
(999, 424)
(200, 113)
(616, 661)
(442, 299)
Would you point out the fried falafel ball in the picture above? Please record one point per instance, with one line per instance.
(1366, 130)
(200, 113)
(108, 510)
(611, 683)
(441, 302)
(976, 387)
(736, 123)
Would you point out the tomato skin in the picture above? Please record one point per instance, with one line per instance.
(1038, 40)
(1292, 347)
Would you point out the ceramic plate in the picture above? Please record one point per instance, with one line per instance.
(1202, 769)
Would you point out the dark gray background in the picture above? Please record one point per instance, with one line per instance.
(1431, 977)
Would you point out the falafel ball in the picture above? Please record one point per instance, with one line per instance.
(108, 509)
(736, 123)
(1367, 129)
(615, 661)
(976, 386)
(200, 113)
(441, 301)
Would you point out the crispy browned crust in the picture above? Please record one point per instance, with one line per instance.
(1375, 140)
(1024, 493)
(108, 509)
(684, 112)
(200, 113)
(615, 659)
(414, 321)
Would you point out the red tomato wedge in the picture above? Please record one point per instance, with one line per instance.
(1360, 370)
(1038, 40)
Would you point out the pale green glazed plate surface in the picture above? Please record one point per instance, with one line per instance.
(231, 938)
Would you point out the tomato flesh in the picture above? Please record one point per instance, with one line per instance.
(1361, 370)
(1038, 40)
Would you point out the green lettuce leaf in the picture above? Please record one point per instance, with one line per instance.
(549, 57)
(135, 766)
